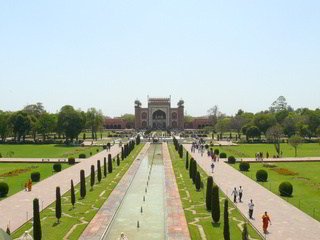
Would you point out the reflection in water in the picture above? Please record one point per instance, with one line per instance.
(143, 204)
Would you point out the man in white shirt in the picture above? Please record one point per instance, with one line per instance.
(251, 206)
(235, 194)
(240, 194)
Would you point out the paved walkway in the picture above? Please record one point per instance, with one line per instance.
(102, 220)
(288, 222)
(177, 227)
(36, 160)
(18, 208)
(286, 159)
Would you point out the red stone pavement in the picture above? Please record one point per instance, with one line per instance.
(176, 223)
(18, 208)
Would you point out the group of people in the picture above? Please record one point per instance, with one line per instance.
(28, 186)
(237, 194)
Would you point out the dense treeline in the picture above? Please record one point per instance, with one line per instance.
(34, 120)
(280, 120)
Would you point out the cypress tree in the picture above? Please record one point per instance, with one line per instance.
(83, 191)
(37, 234)
(122, 153)
(194, 171)
(190, 168)
(180, 151)
(105, 167)
(245, 235)
(92, 176)
(209, 192)
(58, 204)
(99, 171)
(109, 164)
(215, 211)
(187, 162)
(118, 160)
(198, 181)
(226, 230)
(73, 195)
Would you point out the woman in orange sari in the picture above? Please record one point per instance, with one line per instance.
(265, 222)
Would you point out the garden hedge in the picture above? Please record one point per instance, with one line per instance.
(35, 176)
(262, 175)
(286, 189)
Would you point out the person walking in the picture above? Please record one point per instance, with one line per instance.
(212, 167)
(235, 194)
(251, 206)
(240, 194)
(265, 222)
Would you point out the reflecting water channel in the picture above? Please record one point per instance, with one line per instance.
(143, 204)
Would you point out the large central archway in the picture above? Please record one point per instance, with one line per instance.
(159, 119)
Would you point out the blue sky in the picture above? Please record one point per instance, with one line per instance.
(105, 54)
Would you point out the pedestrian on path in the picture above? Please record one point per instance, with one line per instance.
(235, 194)
(265, 222)
(251, 206)
(212, 167)
(240, 194)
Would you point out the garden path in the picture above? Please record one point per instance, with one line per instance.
(288, 222)
(18, 209)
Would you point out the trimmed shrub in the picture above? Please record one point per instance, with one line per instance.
(216, 151)
(190, 167)
(82, 155)
(215, 205)
(58, 204)
(118, 160)
(4, 189)
(71, 160)
(73, 195)
(109, 163)
(35, 176)
(244, 166)
(226, 229)
(262, 175)
(285, 189)
(83, 191)
(105, 166)
(245, 234)
(92, 176)
(194, 171)
(231, 160)
(223, 155)
(57, 167)
(209, 192)
(198, 181)
(37, 233)
(104, 147)
(99, 175)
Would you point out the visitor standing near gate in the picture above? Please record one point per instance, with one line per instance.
(251, 206)
(212, 167)
(235, 194)
(240, 194)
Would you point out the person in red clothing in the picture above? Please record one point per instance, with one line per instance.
(265, 222)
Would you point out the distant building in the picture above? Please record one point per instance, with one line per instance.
(159, 115)
(117, 123)
(198, 123)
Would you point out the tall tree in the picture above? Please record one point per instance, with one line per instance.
(109, 163)
(5, 126)
(105, 167)
(215, 205)
(94, 121)
(226, 230)
(279, 105)
(73, 195)
(21, 125)
(274, 135)
(209, 192)
(92, 176)
(198, 181)
(37, 233)
(99, 175)
(295, 141)
(58, 204)
(83, 191)
(70, 122)
(46, 123)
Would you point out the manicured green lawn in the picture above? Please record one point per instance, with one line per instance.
(74, 221)
(44, 150)
(16, 180)
(194, 205)
(305, 179)
(249, 150)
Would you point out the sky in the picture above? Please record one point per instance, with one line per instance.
(237, 54)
